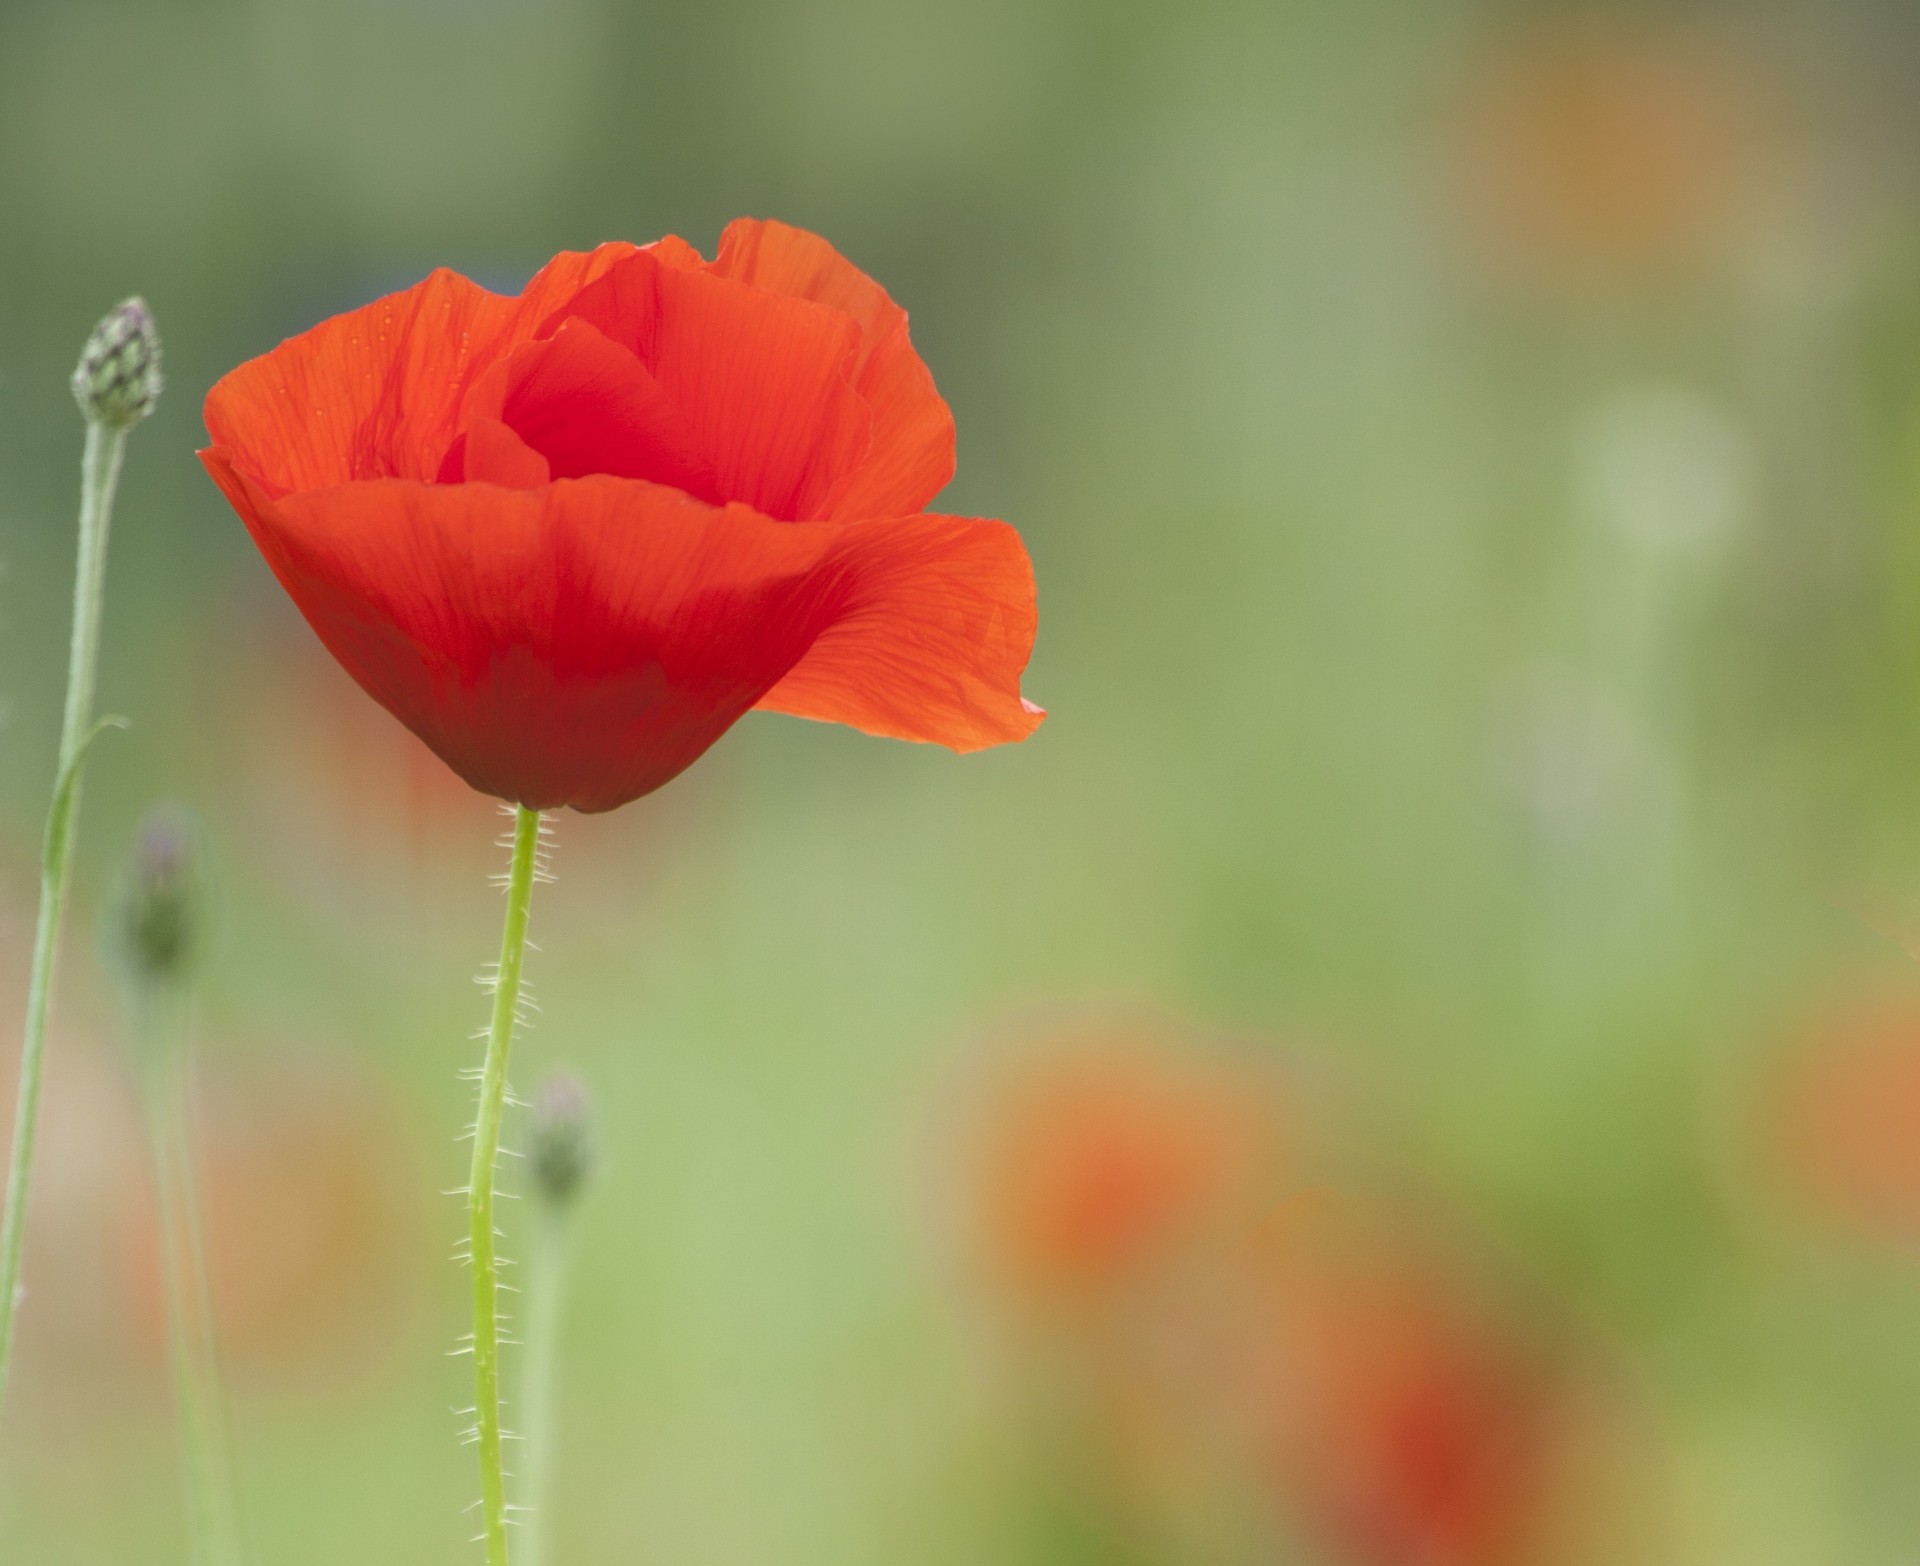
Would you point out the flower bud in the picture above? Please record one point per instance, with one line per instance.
(560, 1139)
(117, 380)
(160, 918)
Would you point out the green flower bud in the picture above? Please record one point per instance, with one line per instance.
(160, 917)
(560, 1139)
(117, 380)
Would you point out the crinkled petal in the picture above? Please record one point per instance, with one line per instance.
(676, 252)
(590, 406)
(489, 452)
(760, 378)
(575, 645)
(930, 642)
(911, 458)
(375, 393)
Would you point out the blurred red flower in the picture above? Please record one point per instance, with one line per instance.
(1111, 1155)
(1412, 1429)
(1221, 1335)
(570, 538)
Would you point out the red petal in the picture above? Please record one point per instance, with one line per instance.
(563, 277)
(488, 452)
(760, 378)
(589, 406)
(574, 645)
(911, 459)
(374, 393)
(937, 625)
(675, 251)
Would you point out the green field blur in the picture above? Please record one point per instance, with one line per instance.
(1470, 455)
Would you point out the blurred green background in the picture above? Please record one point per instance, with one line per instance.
(1471, 459)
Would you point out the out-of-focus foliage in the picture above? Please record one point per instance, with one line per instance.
(1471, 457)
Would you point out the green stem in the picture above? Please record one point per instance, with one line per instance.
(481, 1232)
(214, 1530)
(544, 1306)
(99, 473)
(218, 1463)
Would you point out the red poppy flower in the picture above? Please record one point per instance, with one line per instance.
(570, 538)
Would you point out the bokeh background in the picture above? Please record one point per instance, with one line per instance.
(1417, 1063)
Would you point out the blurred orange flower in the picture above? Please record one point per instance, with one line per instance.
(1109, 1156)
(1588, 152)
(307, 1184)
(1846, 1114)
(74, 1358)
(75, 1355)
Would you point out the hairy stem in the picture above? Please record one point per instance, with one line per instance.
(481, 1231)
(99, 473)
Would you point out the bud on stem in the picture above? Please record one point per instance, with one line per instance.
(116, 383)
(159, 920)
(560, 1139)
(117, 380)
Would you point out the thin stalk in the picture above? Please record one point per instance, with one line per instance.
(219, 1426)
(99, 474)
(481, 1231)
(214, 1531)
(545, 1303)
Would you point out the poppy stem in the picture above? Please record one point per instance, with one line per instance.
(99, 474)
(481, 1232)
(162, 1025)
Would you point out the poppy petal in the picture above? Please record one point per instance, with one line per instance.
(590, 406)
(676, 252)
(761, 378)
(373, 393)
(936, 628)
(579, 645)
(489, 452)
(911, 458)
(563, 277)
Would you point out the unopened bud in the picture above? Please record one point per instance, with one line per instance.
(160, 920)
(560, 1138)
(117, 380)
